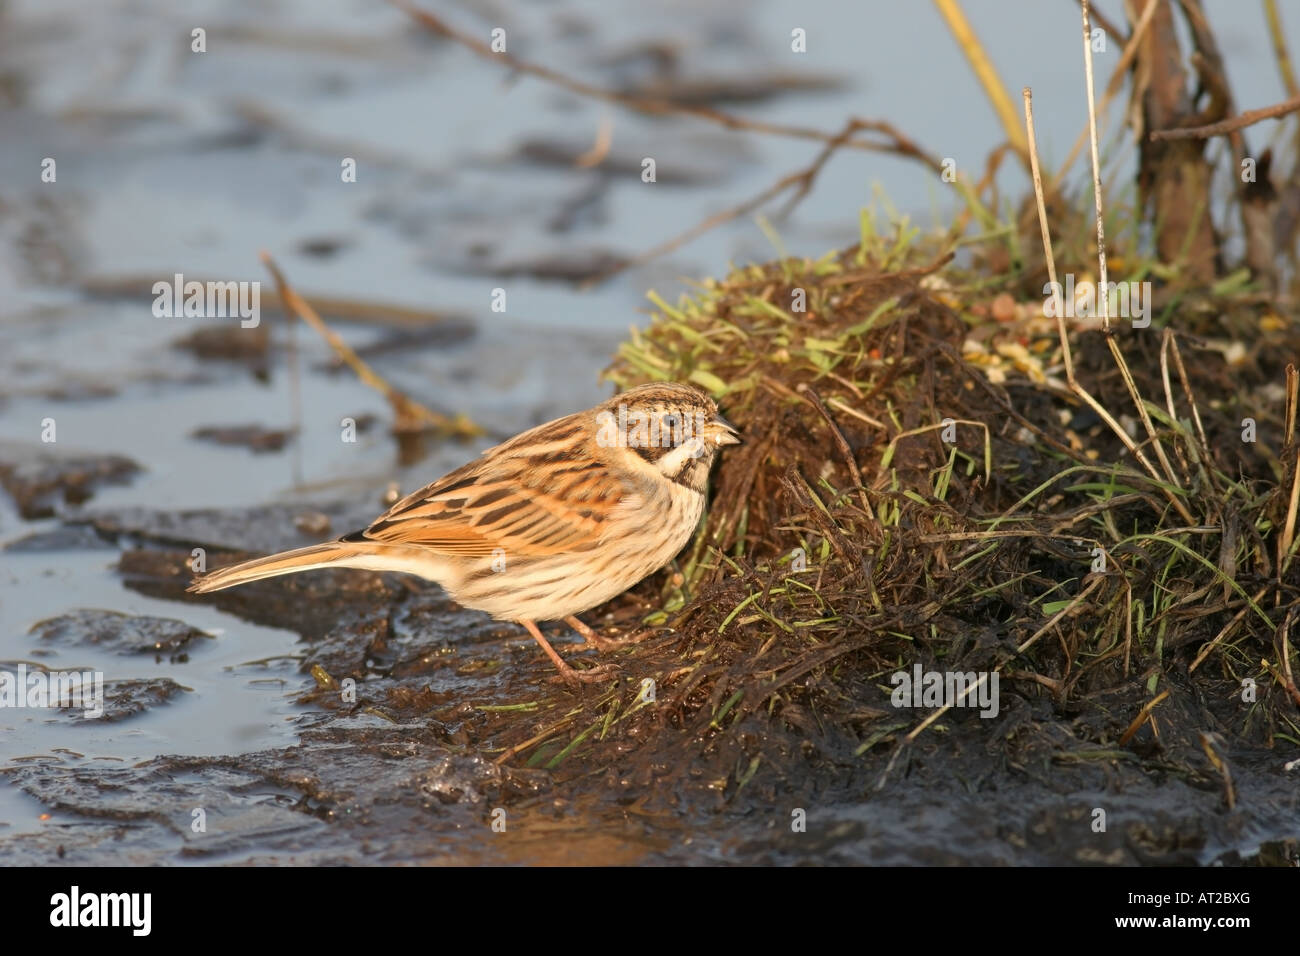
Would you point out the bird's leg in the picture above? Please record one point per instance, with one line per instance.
(591, 637)
(567, 673)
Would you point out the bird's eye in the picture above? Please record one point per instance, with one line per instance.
(670, 433)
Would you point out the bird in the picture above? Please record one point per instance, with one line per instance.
(553, 522)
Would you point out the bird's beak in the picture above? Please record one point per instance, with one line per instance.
(725, 433)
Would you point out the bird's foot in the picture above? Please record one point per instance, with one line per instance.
(602, 643)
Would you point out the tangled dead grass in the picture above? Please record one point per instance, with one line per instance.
(918, 486)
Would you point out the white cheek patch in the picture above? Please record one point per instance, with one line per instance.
(672, 463)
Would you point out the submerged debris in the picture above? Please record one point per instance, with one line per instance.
(43, 478)
(118, 633)
(253, 437)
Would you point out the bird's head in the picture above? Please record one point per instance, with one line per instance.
(674, 427)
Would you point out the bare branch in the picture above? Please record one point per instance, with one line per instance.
(1232, 124)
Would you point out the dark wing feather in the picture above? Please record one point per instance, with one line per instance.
(543, 492)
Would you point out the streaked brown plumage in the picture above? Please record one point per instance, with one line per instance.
(553, 522)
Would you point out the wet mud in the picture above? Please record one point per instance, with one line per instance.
(405, 704)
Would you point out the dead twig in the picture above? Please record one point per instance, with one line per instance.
(840, 442)
(1113, 85)
(644, 104)
(1142, 716)
(1231, 124)
(1280, 53)
(984, 71)
(1209, 744)
(801, 180)
(1066, 354)
(409, 415)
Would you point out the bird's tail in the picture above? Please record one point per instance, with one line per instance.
(367, 555)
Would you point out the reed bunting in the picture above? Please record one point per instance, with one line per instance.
(553, 522)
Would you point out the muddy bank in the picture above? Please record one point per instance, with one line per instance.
(406, 707)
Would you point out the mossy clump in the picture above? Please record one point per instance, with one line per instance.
(919, 484)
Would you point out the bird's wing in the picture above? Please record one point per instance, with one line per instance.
(544, 492)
